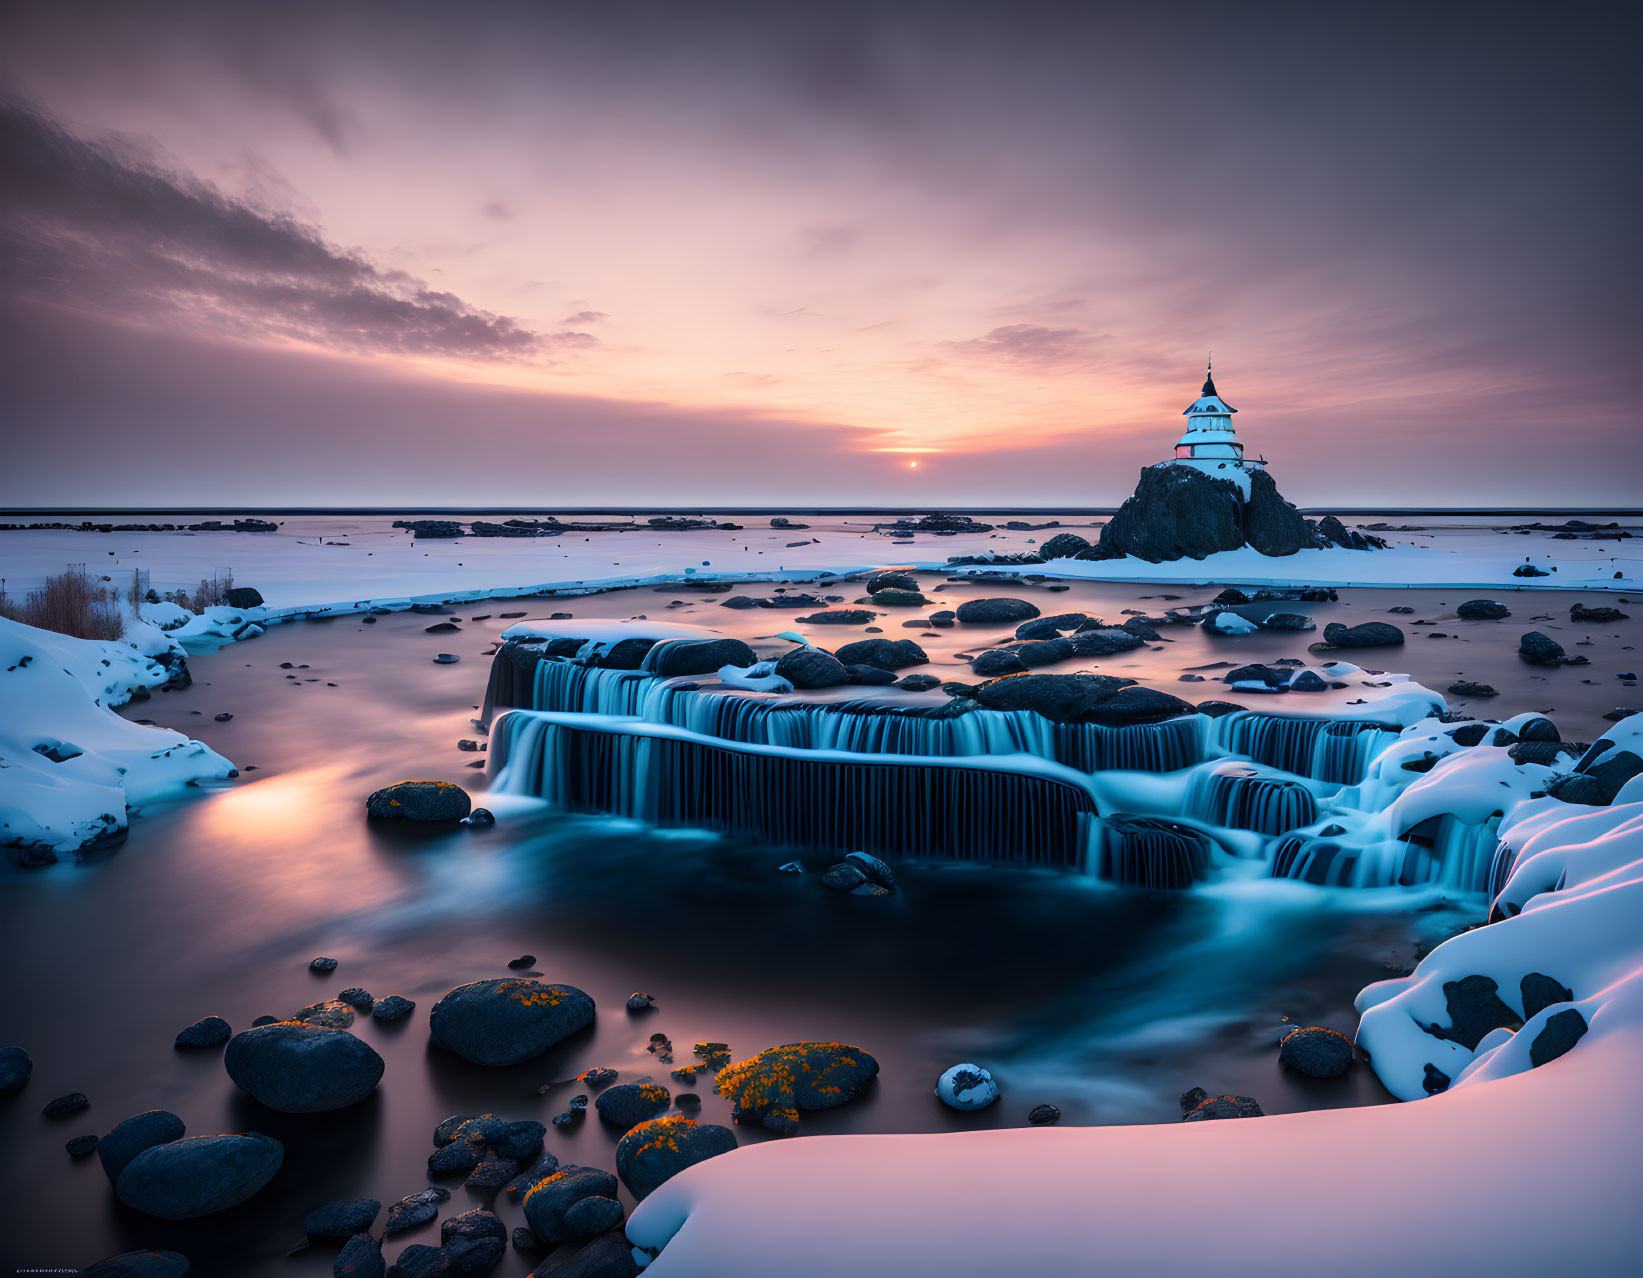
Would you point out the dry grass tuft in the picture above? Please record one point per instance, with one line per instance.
(71, 603)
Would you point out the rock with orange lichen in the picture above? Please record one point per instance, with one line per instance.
(660, 1149)
(302, 1069)
(419, 801)
(504, 1022)
(772, 1087)
(1316, 1052)
(551, 1204)
(630, 1103)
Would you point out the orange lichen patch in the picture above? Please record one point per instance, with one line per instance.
(780, 1081)
(546, 1180)
(663, 1135)
(531, 993)
(1317, 1029)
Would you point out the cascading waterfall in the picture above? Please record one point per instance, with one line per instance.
(1333, 750)
(903, 775)
(1236, 796)
(1149, 852)
(891, 805)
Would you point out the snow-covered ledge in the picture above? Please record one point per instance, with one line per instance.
(70, 768)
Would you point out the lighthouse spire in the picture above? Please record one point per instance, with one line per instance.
(1209, 375)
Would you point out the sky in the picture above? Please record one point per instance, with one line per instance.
(946, 254)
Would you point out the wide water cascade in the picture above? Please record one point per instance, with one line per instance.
(920, 775)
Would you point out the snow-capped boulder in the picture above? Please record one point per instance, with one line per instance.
(967, 1087)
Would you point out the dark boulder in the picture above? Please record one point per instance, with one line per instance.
(199, 1175)
(875, 870)
(1270, 524)
(1212, 1107)
(414, 1209)
(1330, 531)
(997, 661)
(1316, 1052)
(1541, 650)
(63, 1106)
(1529, 570)
(1466, 688)
(1370, 634)
(1482, 610)
(1051, 627)
(138, 1264)
(1136, 705)
(392, 1008)
(1104, 642)
(131, 1136)
(1065, 698)
(995, 611)
(1044, 652)
(1063, 546)
(900, 599)
(1596, 616)
(1577, 787)
(1176, 512)
(1475, 1008)
(661, 1148)
(886, 654)
(16, 1066)
(1561, 1032)
(419, 801)
(504, 1022)
(1613, 771)
(550, 1202)
(772, 1087)
(628, 1104)
(341, 1219)
(1271, 676)
(811, 668)
(839, 617)
(1540, 991)
(1044, 1115)
(1287, 621)
(209, 1031)
(302, 1069)
(243, 597)
(844, 877)
(360, 1257)
(892, 581)
(700, 656)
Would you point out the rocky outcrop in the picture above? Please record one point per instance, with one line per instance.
(1179, 512)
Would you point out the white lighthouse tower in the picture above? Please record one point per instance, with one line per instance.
(1210, 444)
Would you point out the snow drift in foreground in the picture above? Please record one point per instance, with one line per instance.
(70, 768)
(1516, 1169)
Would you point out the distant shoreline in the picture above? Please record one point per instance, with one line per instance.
(59, 512)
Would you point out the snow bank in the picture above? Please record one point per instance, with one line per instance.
(1574, 913)
(1534, 1174)
(70, 768)
(1518, 1169)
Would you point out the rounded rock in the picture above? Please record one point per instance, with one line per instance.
(1316, 1052)
(199, 1175)
(342, 1219)
(302, 1069)
(628, 1104)
(129, 1137)
(967, 1087)
(504, 1022)
(16, 1066)
(661, 1148)
(419, 801)
(549, 1202)
(1044, 1115)
(209, 1031)
(393, 1008)
(995, 611)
